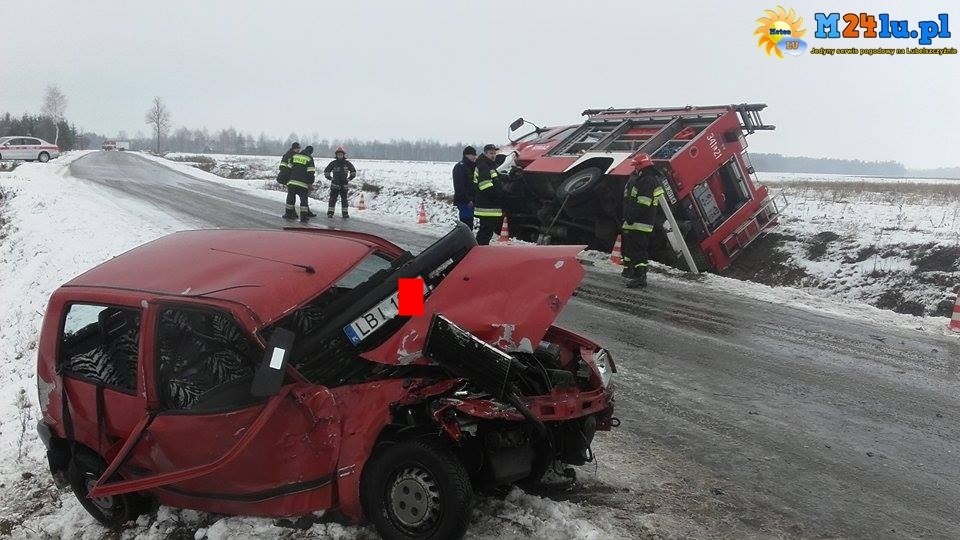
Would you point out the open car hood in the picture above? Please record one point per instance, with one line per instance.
(506, 296)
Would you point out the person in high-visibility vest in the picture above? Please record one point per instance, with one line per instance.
(284, 173)
(302, 174)
(642, 195)
(487, 205)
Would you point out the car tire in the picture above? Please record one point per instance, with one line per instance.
(84, 471)
(417, 490)
(43, 157)
(580, 184)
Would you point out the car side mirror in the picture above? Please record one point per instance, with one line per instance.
(517, 124)
(268, 379)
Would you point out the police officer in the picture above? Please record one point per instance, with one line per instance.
(284, 173)
(641, 199)
(302, 174)
(463, 185)
(339, 172)
(487, 188)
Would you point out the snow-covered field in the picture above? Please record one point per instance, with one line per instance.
(893, 243)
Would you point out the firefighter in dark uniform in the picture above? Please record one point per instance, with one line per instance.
(487, 187)
(641, 199)
(284, 173)
(463, 185)
(339, 172)
(302, 174)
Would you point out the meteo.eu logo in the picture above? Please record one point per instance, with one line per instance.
(780, 32)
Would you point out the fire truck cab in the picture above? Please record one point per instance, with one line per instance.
(565, 183)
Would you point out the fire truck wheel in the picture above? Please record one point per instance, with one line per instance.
(699, 258)
(417, 489)
(84, 471)
(579, 184)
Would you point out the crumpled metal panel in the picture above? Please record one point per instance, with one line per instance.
(507, 296)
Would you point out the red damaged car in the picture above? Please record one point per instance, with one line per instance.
(268, 373)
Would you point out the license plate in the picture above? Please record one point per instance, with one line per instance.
(374, 318)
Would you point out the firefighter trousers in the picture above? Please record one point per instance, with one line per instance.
(341, 191)
(635, 248)
(489, 226)
(292, 193)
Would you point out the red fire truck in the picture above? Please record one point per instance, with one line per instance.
(566, 183)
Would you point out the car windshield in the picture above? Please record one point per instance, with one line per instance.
(323, 351)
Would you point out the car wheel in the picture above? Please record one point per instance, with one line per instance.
(43, 157)
(579, 184)
(417, 490)
(84, 471)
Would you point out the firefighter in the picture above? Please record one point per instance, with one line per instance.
(302, 174)
(339, 172)
(284, 173)
(641, 199)
(463, 185)
(487, 205)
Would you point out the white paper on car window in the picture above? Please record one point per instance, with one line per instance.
(277, 359)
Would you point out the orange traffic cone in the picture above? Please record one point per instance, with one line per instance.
(616, 256)
(955, 320)
(504, 231)
(361, 205)
(422, 214)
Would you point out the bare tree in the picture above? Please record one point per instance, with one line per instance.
(158, 116)
(54, 107)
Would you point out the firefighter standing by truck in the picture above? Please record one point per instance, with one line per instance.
(284, 173)
(487, 186)
(642, 195)
(340, 171)
(463, 185)
(302, 174)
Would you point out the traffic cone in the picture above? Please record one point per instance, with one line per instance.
(504, 231)
(361, 205)
(955, 320)
(422, 214)
(616, 256)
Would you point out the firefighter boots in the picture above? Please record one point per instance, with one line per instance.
(639, 278)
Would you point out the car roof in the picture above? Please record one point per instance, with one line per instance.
(270, 272)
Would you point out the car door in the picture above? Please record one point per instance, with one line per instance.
(13, 149)
(211, 439)
(98, 358)
(32, 148)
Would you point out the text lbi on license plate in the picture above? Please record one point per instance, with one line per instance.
(374, 318)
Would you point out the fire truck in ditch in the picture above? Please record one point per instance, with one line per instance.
(565, 184)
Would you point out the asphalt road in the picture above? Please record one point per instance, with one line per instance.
(740, 417)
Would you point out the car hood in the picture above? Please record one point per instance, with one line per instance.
(507, 296)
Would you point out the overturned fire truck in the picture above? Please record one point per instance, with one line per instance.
(565, 184)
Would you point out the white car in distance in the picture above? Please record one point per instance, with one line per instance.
(27, 149)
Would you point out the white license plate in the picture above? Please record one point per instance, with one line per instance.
(374, 318)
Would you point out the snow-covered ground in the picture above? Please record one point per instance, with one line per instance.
(54, 227)
(893, 243)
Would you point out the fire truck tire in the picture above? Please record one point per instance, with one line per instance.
(417, 490)
(579, 184)
(84, 471)
(699, 258)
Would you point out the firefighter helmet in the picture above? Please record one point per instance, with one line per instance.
(641, 161)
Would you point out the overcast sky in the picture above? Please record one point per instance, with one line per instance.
(451, 70)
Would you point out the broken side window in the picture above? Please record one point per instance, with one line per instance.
(205, 360)
(100, 345)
